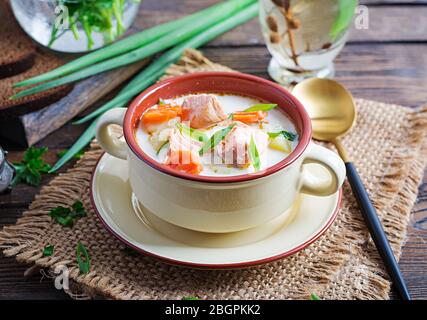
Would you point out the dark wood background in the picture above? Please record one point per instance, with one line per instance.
(387, 62)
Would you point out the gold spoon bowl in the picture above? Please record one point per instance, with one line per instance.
(331, 109)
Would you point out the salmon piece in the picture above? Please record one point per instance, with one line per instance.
(202, 111)
(233, 150)
(183, 153)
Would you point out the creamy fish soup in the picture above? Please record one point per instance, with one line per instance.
(216, 135)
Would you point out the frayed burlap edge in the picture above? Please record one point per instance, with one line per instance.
(333, 273)
(393, 201)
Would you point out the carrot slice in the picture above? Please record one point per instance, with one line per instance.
(161, 114)
(185, 160)
(172, 108)
(249, 117)
(191, 168)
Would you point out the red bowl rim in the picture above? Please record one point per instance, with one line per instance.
(237, 265)
(305, 136)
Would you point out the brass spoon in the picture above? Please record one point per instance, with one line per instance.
(333, 114)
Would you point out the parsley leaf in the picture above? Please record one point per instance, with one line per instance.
(190, 298)
(83, 258)
(78, 210)
(48, 250)
(67, 216)
(31, 167)
(314, 296)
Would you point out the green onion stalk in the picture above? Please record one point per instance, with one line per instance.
(172, 38)
(150, 74)
(125, 45)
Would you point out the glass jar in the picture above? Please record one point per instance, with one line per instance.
(74, 25)
(304, 36)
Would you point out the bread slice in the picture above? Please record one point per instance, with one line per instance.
(13, 108)
(17, 50)
(20, 60)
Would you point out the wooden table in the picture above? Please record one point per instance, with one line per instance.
(387, 63)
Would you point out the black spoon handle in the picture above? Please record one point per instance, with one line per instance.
(377, 232)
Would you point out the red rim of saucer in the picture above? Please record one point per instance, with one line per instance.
(237, 265)
(132, 117)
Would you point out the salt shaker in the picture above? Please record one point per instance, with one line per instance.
(7, 173)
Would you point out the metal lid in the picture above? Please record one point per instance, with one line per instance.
(2, 159)
(6, 172)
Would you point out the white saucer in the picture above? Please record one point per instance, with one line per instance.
(129, 221)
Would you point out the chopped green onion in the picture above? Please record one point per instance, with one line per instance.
(216, 138)
(346, 11)
(133, 88)
(77, 156)
(185, 32)
(192, 133)
(261, 107)
(161, 101)
(155, 70)
(83, 258)
(254, 155)
(286, 134)
(162, 146)
(125, 45)
(81, 142)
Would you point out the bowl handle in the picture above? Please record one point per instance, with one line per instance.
(319, 186)
(111, 144)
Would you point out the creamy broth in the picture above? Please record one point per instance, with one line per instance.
(275, 121)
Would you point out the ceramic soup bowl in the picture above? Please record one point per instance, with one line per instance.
(220, 204)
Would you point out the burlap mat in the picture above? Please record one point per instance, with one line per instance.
(390, 152)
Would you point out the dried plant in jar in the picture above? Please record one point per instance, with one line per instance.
(291, 24)
(304, 36)
(272, 23)
(275, 37)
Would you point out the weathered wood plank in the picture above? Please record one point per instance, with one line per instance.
(13, 284)
(393, 24)
(386, 23)
(391, 73)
